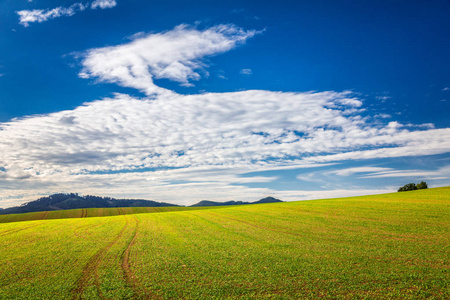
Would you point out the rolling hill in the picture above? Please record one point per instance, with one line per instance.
(392, 246)
(58, 206)
(227, 203)
(74, 201)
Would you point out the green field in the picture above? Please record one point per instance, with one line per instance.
(393, 246)
(89, 213)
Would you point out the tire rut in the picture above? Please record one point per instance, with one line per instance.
(11, 231)
(45, 216)
(129, 276)
(90, 269)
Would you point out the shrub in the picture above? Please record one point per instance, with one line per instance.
(412, 187)
(422, 185)
(408, 187)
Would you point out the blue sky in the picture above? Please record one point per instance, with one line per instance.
(182, 101)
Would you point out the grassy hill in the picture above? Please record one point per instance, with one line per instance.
(58, 206)
(87, 213)
(393, 246)
(74, 201)
(114, 211)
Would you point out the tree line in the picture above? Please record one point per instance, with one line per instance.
(413, 187)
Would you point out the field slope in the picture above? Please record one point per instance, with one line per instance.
(89, 213)
(393, 246)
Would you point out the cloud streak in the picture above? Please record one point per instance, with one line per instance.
(103, 4)
(380, 172)
(42, 15)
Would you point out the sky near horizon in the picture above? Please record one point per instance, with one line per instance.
(181, 101)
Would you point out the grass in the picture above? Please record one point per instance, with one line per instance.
(393, 246)
(88, 213)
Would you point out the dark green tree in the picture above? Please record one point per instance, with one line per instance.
(422, 185)
(408, 187)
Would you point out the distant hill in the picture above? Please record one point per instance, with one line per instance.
(213, 203)
(267, 200)
(74, 201)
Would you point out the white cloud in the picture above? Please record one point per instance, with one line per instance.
(195, 184)
(379, 172)
(383, 116)
(103, 4)
(41, 15)
(441, 173)
(446, 89)
(383, 98)
(178, 131)
(227, 131)
(350, 171)
(221, 74)
(208, 138)
(174, 55)
(246, 72)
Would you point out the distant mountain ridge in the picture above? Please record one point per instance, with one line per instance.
(213, 203)
(74, 201)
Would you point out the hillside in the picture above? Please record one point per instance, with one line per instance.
(228, 203)
(90, 212)
(54, 207)
(74, 201)
(392, 246)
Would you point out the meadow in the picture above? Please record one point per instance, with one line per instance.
(392, 246)
(89, 213)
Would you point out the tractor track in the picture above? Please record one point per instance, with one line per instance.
(90, 269)
(129, 276)
(84, 213)
(45, 216)
(11, 231)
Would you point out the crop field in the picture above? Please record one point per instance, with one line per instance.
(393, 246)
(88, 213)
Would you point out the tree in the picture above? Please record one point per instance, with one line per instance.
(412, 187)
(422, 185)
(408, 187)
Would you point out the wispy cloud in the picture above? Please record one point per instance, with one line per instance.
(383, 98)
(174, 55)
(441, 173)
(42, 15)
(228, 131)
(182, 131)
(103, 4)
(182, 186)
(383, 116)
(380, 172)
(246, 72)
(221, 75)
(351, 171)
